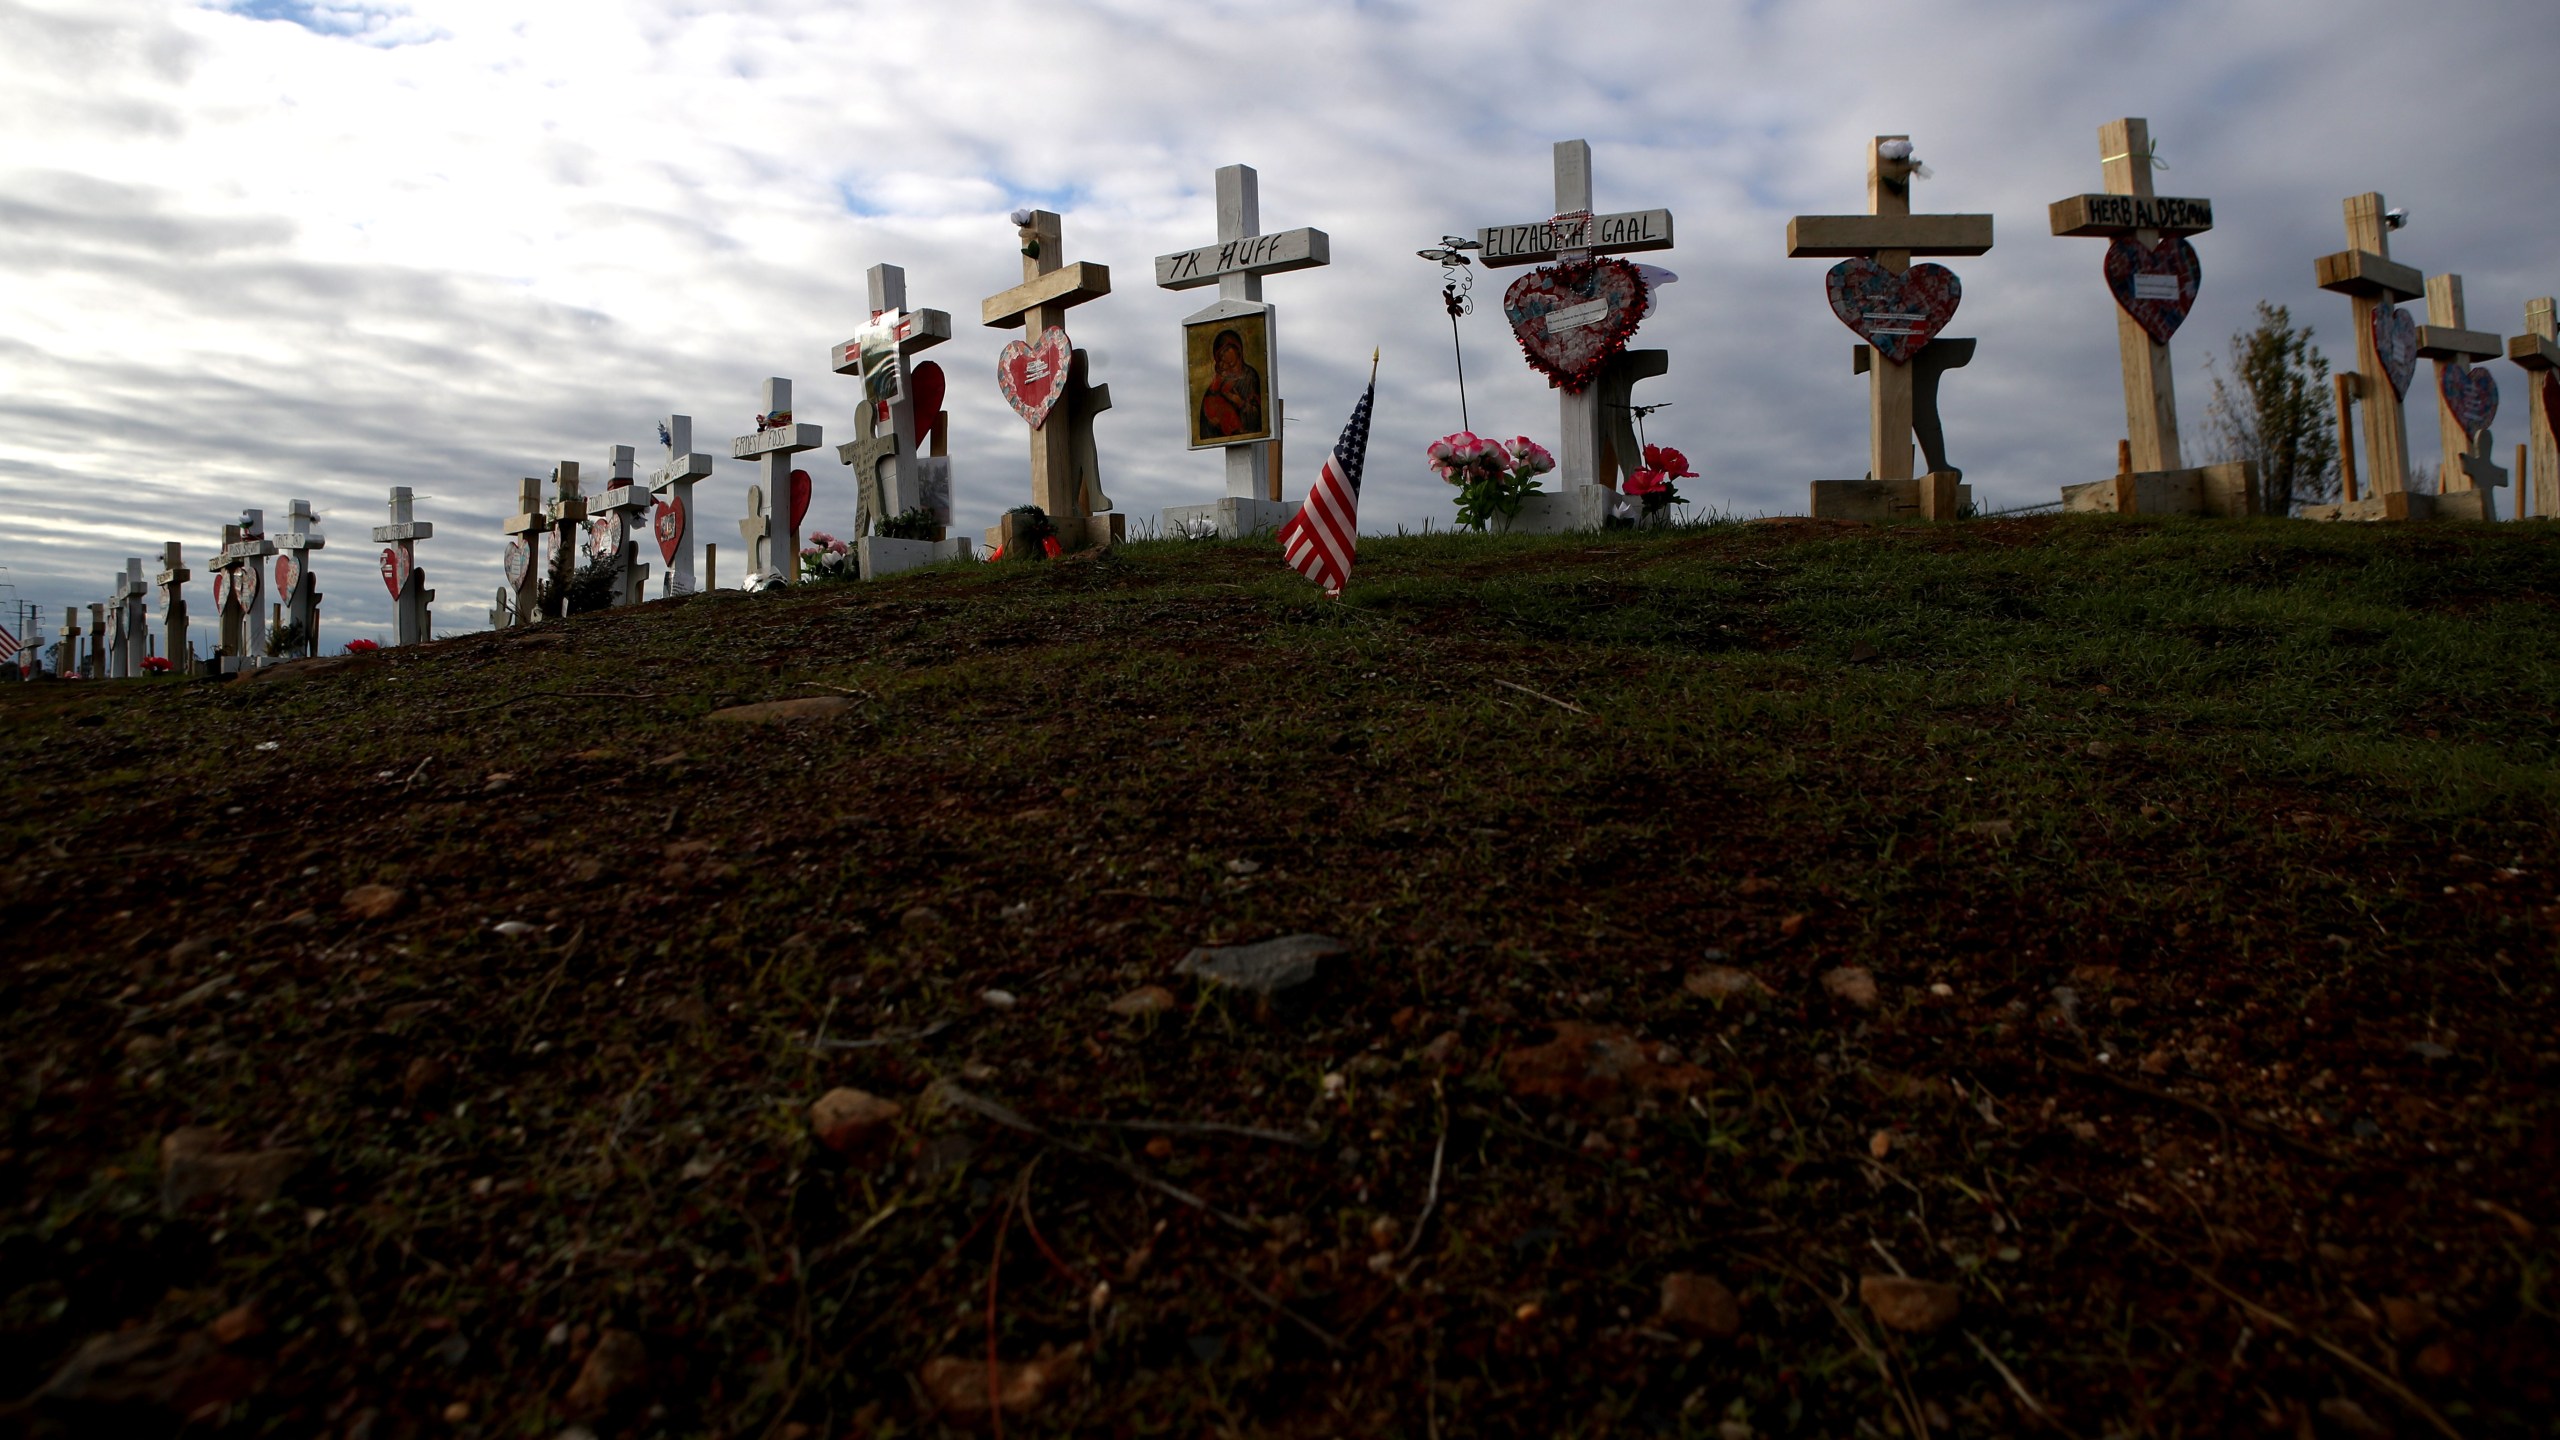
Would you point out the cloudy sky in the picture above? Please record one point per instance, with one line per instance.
(253, 250)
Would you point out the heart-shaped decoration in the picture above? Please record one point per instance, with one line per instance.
(924, 399)
(2471, 393)
(396, 565)
(2156, 286)
(1897, 314)
(519, 563)
(244, 589)
(2551, 403)
(2395, 344)
(221, 590)
(799, 498)
(287, 572)
(1033, 376)
(1570, 318)
(600, 536)
(667, 518)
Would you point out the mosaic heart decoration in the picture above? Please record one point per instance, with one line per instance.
(799, 498)
(924, 397)
(2471, 393)
(1570, 318)
(396, 565)
(2156, 286)
(519, 563)
(667, 519)
(244, 590)
(2395, 344)
(1033, 376)
(286, 573)
(1897, 314)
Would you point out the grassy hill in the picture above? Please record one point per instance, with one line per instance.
(2144, 931)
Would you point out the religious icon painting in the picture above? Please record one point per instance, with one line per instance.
(1227, 378)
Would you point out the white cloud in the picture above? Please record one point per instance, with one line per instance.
(281, 248)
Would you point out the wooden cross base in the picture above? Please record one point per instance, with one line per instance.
(1075, 532)
(1938, 495)
(2222, 491)
(2405, 505)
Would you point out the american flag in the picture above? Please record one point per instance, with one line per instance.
(1319, 540)
(8, 644)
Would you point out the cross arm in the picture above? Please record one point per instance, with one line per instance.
(2444, 342)
(405, 530)
(1301, 249)
(2534, 352)
(923, 329)
(2365, 274)
(1837, 237)
(1067, 285)
(691, 466)
(2123, 214)
(791, 439)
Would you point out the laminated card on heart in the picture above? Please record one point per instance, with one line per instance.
(1897, 314)
(2156, 284)
(1571, 318)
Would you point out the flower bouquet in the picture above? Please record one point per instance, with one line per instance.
(157, 665)
(1492, 478)
(1653, 484)
(827, 558)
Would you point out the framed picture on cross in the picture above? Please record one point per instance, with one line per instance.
(1227, 378)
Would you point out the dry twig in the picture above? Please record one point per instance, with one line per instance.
(1541, 694)
(555, 695)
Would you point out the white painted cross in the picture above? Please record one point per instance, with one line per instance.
(66, 652)
(172, 581)
(673, 487)
(625, 503)
(888, 479)
(2469, 463)
(524, 555)
(244, 625)
(410, 596)
(1574, 233)
(131, 639)
(777, 438)
(757, 530)
(568, 512)
(101, 636)
(297, 589)
(1236, 265)
(2538, 460)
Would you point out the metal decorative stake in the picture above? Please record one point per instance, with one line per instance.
(1457, 296)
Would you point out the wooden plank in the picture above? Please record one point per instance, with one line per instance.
(2446, 342)
(1069, 284)
(2368, 276)
(1621, 232)
(2104, 215)
(791, 438)
(2534, 352)
(1822, 237)
(1301, 249)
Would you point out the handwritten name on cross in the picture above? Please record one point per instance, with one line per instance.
(522, 597)
(410, 596)
(2538, 351)
(888, 480)
(777, 438)
(172, 581)
(1574, 233)
(1236, 265)
(2129, 210)
(1065, 479)
(672, 484)
(2468, 464)
(1891, 235)
(2375, 283)
(625, 504)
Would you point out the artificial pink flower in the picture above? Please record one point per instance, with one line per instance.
(1529, 455)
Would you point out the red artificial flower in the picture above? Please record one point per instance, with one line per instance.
(1672, 463)
(1647, 482)
(1050, 548)
(157, 664)
(360, 646)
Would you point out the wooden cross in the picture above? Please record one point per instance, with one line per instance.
(172, 581)
(66, 652)
(244, 553)
(302, 606)
(673, 482)
(525, 528)
(778, 437)
(568, 515)
(757, 530)
(2129, 208)
(2366, 273)
(888, 481)
(625, 505)
(2538, 461)
(1901, 397)
(409, 620)
(1066, 481)
(1584, 454)
(1236, 265)
(2468, 468)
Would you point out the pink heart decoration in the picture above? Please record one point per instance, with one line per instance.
(1033, 376)
(668, 520)
(2395, 344)
(1897, 314)
(397, 562)
(924, 396)
(2471, 393)
(244, 589)
(1570, 318)
(799, 498)
(519, 563)
(2157, 286)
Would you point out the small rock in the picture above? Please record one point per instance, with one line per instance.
(1267, 968)
(373, 902)
(2101, 750)
(1755, 885)
(514, 929)
(426, 1076)
(1145, 1000)
(1721, 983)
(776, 712)
(2409, 1318)
(618, 1362)
(846, 1119)
(1593, 1064)
(1852, 983)
(958, 1383)
(1445, 1051)
(1791, 926)
(1991, 829)
(920, 917)
(1880, 1144)
(2440, 1361)
(194, 1169)
(235, 1325)
(142, 1049)
(2160, 1061)
(303, 919)
(193, 948)
(1700, 1305)
(998, 999)
(1914, 1307)
(1243, 867)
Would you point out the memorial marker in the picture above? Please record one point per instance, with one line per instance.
(521, 600)
(66, 651)
(671, 517)
(132, 640)
(172, 581)
(2538, 460)
(757, 530)
(411, 623)
(2386, 359)
(2466, 403)
(900, 410)
(568, 515)
(776, 439)
(297, 589)
(625, 504)
(1044, 377)
(1231, 352)
(244, 627)
(101, 635)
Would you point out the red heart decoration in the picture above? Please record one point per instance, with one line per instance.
(286, 574)
(2156, 286)
(2395, 344)
(2551, 402)
(924, 397)
(396, 565)
(1033, 376)
(799, 498)
(519, 563)
(1570, 318)
(221, 590)
(2471, 394)
(668, 520)
(1897, 314)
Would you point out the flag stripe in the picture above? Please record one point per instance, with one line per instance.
(1320, 540)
